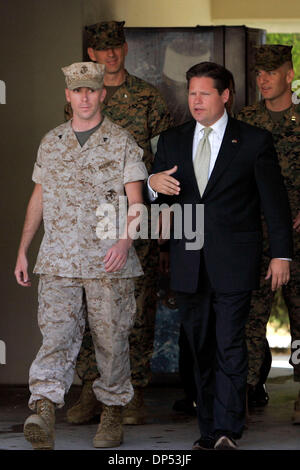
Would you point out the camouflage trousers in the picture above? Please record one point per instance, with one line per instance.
(142, 335)
(261, 305)
(61, 317)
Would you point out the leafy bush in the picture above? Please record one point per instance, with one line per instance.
(279, 315)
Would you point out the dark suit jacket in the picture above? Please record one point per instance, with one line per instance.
(246, 177)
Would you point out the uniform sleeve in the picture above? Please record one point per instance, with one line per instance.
(37, 170)
(274, 200)
(159, 117)
(134, 168)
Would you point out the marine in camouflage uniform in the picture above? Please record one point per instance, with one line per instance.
(139, 108)
(285, 128)
(75, 181)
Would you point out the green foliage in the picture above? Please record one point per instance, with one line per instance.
(292, 39)
(279, 315)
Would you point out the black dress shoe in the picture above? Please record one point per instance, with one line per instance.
(257, 396)
(204, 443)
(185, 406)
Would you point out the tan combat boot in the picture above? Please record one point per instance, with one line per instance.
(135, 411)
(39, 427)
(110, 430)
(296, 414)
(86, 408)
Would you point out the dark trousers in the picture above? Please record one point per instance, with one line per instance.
(186, 367)
(214, 323)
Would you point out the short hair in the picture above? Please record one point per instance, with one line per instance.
(231, 81)
(221, 76)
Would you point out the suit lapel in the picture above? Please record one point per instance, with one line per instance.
(228, 150)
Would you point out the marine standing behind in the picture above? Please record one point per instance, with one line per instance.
(139, 108)
(279, 115)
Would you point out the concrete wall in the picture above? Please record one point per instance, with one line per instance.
(149, 13)
(37, 38)
(273, 15)
(276, 16)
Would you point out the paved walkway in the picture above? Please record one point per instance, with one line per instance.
(270, 428)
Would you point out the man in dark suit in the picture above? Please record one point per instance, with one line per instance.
(231, 168)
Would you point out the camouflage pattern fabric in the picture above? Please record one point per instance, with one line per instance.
(142, 335)
(111, 311)
(84, 74)
(76, 181)
(272, 56)
(286, 135)
(105, 35)
(139, 108)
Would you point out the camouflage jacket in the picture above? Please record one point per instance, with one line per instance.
(286, 136)
(76, 182)
(139, 108)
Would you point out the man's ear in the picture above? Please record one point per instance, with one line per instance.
(125, 46)
(102, 95)
(67, 92)
(290, 75)
(225, 95)
(91, 53)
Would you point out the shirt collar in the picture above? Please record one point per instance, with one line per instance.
(218, 127)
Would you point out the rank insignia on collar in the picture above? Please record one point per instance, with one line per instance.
(293, 118)
(234, 141)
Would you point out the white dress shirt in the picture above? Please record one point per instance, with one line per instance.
(215, 139)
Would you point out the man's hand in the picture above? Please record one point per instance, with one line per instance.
(21, 271)
(116, 256)
(279, 271)
(296, 221)
(164, 183)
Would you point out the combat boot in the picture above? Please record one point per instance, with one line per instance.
(110, 429)
(135, 411)
(86, 408)
(39, 427)
(296, 414)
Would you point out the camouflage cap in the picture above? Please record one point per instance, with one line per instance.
(271, 56)
(84, 74)
(106, 34)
